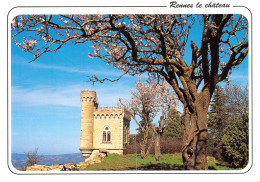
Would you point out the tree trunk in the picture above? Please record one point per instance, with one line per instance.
(157, 147)
(194, 125)
(144, 154)
(146, 147)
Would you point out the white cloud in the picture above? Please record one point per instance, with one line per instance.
(46, 96)
(66, 95)
(59, 68)
(90, 70)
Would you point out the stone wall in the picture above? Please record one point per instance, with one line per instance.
(115, 124)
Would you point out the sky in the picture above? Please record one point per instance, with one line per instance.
(45, 96)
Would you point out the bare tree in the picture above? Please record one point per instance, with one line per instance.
(158, 132)
(154, 44)
(33, 157)
(236, 99)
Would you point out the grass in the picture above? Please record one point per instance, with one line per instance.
(135, 162)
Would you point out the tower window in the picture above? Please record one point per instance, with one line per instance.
(106, 135)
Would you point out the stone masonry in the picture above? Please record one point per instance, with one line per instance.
(103, 130)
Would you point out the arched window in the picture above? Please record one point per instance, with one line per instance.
(106, 135)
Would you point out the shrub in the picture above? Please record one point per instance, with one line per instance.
(32, 157)
(235, 142)
(171, 145)
(168, 145)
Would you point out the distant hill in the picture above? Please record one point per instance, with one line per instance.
(19, 160)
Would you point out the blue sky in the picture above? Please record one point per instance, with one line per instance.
(45, 103)
(45, 97)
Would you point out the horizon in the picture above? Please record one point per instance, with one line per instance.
(48, 154)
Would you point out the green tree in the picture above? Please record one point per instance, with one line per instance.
(173, 128)
(217, 116)
(235, 141)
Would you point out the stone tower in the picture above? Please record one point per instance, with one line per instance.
(103, 130)
(88, 106)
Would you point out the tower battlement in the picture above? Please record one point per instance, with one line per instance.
(108, 113)
(88, 95)
(109, 109)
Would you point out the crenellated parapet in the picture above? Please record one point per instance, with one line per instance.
(109, 109)
(88, 96)
(108, 113)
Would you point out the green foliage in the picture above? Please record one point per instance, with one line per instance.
(218, 112)
(173, 128)
(216, 122)
(211, 144)
(228, 125)
(235, 142)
